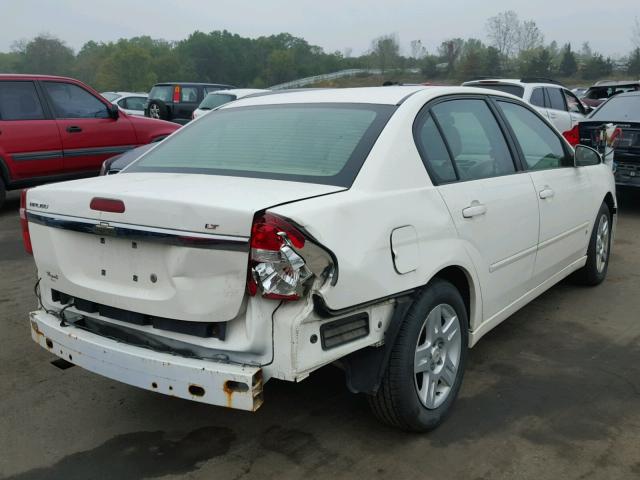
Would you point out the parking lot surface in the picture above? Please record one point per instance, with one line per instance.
(553, 392)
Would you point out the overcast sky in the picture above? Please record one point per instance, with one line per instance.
(332, 24)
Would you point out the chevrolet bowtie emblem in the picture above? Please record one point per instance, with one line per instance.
(104, 228)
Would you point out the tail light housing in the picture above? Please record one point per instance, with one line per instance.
(573, 136)
(276, 269)
(176, 94)
(24, 223)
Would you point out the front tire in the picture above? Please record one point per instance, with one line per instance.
(595, 270)
(427, 362)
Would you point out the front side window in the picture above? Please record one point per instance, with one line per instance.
(189, 94)
(541, 147)
(556, 99)
(326, 143)
(573, 104)
(434, 151)
(72, 101)
(475, 140)
(19, 101)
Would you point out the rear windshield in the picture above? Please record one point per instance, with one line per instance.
(516, 90)
(214, 100)
(598, 93)
(161, 92)
(314, 143)
(619, 109)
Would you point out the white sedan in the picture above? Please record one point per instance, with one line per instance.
(132, 103)
(218, 98)
(386, 229)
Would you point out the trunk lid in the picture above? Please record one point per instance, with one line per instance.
(178, 251)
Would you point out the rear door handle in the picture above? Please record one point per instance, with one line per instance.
(546, 193)
(474, 210)
(73, 129)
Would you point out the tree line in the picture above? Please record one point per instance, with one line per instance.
(513, 48)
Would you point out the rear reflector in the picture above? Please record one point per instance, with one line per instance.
(24, 223)
(344, 330)
(107, 205)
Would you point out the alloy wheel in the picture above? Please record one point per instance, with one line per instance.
(602, 243)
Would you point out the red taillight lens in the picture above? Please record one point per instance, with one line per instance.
(573, 136)
(265, 229)
(107, 205)
(176, 94)
(24, 223)
(275, 268)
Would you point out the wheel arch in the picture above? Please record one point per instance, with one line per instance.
(609, 200)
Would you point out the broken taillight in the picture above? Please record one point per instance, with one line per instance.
(275, 267)
(24, 223)
(572, 136)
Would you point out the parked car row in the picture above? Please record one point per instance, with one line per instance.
(387, 229)
(55, 128)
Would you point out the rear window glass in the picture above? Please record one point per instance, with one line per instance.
(516, 90)
(162, 92)
(19, 101)
(618, 109)
(214, 100)
(313, 143)
(599, 93)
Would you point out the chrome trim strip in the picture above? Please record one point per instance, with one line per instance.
(565, 234)
(513, 258)
(150, 234)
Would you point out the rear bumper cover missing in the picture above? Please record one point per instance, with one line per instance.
(215, 383)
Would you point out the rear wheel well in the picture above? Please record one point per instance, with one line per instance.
(459, 278)
(608, 199)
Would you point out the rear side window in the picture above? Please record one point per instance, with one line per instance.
(326, 143)
(214, 100)
(72, 101)
(537, 97)
(474, 138)
(19, 101)
(434, 151)
(161, 92)
(556, 99)
(541, 147)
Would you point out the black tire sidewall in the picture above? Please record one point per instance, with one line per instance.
(592, 276)
(3, 192)
(412, 412)
(162, 108)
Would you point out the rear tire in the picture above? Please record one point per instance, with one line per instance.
(427, 362)
(3, 192)
(595, 270)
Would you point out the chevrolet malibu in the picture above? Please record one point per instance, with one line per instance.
(385, 230)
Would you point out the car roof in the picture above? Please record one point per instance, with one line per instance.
(197, 84)
(239, 91)
(627, 94)
(524, 82)
(616, 83)
(29, 76)
(391, 95)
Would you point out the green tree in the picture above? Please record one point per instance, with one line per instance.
(385, 51)
(568, 64)
(129, 67)
(535, 63)
(633, 64)
(45, 54)
(596, 67)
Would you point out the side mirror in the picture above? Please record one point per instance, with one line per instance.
(114, 111)
(586, 156)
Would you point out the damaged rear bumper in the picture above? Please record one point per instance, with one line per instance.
(215, 383)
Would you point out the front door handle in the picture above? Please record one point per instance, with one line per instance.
(474, 210)
(74, 129)
(546, 192)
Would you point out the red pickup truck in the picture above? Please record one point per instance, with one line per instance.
(56, 128)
